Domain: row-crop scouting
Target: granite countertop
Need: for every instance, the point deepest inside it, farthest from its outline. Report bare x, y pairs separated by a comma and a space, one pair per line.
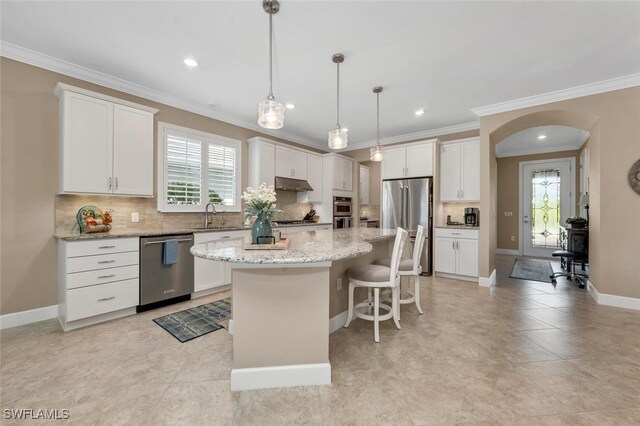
457, 227
152, 232
306, 247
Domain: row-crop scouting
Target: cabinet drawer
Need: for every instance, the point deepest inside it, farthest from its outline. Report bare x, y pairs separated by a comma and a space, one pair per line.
99, 299
89, 263
101, 276
101, 246
205, 237
457, 233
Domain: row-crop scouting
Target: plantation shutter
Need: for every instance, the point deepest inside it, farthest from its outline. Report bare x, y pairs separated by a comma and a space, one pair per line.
184, 170
222, 179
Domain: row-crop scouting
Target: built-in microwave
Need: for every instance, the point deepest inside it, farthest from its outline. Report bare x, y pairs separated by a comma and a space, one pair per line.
341, 222
342, 206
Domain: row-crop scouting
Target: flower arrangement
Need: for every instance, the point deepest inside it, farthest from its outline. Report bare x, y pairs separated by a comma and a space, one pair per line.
577, 222
260, 202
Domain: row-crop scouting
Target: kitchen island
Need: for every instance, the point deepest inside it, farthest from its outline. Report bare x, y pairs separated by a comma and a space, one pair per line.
281, 302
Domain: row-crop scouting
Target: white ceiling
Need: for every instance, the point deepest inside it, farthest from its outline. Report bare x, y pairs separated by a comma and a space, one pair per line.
444, 57
558, 138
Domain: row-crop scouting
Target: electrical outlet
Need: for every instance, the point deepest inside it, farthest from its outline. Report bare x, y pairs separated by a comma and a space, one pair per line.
135, 217
339, 284
513, 238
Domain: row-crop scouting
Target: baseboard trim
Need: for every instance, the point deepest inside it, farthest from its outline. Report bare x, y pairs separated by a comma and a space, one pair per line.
508, 251
456, 277
488, 282
98, 319
612, 299
337, 322
27, 317
210, 291
281, 376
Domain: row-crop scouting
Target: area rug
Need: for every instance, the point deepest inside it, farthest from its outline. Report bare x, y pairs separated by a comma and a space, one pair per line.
532, 270
195, 322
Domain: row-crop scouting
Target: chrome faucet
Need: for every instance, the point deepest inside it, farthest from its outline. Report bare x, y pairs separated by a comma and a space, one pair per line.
208, 221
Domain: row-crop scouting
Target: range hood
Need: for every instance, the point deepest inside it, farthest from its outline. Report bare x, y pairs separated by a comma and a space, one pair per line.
296, 185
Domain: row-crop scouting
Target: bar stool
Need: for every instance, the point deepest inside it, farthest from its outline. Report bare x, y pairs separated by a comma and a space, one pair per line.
409, 267
376, 277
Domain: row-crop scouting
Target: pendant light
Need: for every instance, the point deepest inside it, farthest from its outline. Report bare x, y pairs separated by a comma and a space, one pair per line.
375, 153
338, 138
270, 111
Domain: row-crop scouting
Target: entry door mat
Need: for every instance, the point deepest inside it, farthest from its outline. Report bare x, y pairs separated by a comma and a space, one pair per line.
532, 270
195, 322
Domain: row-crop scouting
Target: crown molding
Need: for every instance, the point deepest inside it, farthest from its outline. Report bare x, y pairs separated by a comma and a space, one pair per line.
31, 57
425, 134
560, 95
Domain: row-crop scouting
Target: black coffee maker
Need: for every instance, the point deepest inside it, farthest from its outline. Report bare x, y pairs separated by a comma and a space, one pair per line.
471, 216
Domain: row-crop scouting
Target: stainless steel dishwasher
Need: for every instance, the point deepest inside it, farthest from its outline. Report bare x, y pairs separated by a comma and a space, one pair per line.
162, 284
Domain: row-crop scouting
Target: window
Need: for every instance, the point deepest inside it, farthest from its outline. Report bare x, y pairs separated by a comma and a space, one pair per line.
196, 168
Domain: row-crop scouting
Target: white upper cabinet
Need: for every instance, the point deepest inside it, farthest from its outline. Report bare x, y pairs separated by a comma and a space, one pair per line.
408, 161
291, 163
342, 173
315, 178
132, 159
394, 163
364, 185
262, 162
460, 170
87, 148
106, 144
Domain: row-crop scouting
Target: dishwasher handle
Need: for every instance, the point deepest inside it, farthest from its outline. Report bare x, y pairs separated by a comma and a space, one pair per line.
182, 240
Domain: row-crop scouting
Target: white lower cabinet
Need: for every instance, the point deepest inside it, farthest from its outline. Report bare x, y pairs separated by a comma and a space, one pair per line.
210, 274
456, 252
98, 280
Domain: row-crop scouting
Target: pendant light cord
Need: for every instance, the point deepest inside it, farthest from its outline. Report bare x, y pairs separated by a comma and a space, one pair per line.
338, 96
270, 55
378, 116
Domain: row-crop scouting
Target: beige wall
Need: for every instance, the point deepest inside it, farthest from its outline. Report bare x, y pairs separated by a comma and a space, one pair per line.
508, 187
29, 178
613, 121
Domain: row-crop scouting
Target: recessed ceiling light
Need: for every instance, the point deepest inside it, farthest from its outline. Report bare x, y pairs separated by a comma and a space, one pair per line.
542, 137
190, 62
290, 106
419, 112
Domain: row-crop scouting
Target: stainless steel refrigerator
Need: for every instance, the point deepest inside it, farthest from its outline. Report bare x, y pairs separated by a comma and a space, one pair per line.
407, 203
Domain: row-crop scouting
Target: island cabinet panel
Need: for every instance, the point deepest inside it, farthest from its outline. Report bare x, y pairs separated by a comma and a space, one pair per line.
210, 274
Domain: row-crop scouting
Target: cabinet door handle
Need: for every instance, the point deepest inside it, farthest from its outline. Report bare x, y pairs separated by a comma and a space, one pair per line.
225, 237
453, 245
106, 261
106, 247
462, 193
104, 299
107, 276
116, 184
455, 233
109, 184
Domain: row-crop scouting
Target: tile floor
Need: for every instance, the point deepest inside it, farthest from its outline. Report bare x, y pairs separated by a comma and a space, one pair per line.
519, 353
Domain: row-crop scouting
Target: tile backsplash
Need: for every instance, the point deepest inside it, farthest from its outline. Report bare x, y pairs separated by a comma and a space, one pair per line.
68, 205
456, 210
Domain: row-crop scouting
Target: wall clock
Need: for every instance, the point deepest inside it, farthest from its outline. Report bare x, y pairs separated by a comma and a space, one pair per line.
634, 176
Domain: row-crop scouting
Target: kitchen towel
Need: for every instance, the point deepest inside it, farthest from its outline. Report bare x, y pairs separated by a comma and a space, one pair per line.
170, 252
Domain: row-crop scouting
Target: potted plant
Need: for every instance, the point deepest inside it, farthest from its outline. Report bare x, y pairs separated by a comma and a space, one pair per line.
576, 222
